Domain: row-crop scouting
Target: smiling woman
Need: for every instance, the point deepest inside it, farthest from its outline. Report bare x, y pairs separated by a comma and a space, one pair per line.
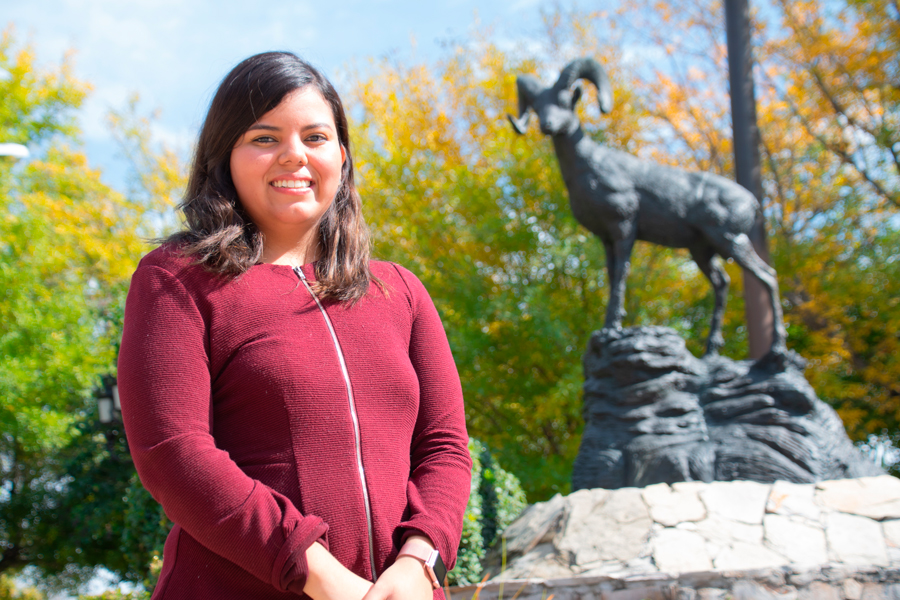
272, 112
286, 170
293, 406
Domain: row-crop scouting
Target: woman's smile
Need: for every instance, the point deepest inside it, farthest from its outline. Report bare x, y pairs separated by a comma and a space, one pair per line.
292, 184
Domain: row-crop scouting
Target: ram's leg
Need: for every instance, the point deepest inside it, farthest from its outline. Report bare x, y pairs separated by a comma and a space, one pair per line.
705, 257
617, 263
743, 253
610, 270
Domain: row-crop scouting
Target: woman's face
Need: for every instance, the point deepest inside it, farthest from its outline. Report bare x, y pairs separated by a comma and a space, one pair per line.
287, 167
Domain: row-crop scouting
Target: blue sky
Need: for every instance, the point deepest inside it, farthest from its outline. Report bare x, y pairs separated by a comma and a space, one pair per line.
174, 52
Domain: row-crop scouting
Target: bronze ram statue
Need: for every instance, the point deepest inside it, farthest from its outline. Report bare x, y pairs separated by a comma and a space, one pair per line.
621, 198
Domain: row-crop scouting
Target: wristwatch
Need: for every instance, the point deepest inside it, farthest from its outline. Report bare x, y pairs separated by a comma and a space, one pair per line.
434, 566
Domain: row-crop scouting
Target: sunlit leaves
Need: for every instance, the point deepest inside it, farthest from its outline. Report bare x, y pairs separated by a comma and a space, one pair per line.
36, 102
481, 215
68, 246
828, 111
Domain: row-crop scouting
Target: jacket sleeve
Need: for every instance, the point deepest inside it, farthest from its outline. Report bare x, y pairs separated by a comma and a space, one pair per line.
164, 387
440, 465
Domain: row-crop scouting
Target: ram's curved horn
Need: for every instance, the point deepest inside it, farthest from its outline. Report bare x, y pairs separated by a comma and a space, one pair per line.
590, 69
528, 88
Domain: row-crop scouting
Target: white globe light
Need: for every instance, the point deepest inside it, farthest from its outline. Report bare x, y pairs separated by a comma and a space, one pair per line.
14, 150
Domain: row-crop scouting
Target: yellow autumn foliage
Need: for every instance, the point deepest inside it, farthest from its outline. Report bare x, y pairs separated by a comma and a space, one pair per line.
68, 246
829, 115
481, 214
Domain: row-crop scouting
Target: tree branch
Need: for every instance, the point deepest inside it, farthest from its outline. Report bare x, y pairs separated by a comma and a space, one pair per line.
682, 136
848, 160
779, 189
835, 103
551, 439
895, 156
845, 157
11, 558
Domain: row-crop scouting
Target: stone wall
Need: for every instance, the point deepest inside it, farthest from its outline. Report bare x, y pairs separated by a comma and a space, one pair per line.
785, 583
834, 539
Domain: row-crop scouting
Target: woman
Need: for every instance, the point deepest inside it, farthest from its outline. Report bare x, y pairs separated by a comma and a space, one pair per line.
293, 406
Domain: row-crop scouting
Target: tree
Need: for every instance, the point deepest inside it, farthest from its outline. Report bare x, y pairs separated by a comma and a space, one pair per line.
843, 60
34, 111
482, 217
68, 245
828, 116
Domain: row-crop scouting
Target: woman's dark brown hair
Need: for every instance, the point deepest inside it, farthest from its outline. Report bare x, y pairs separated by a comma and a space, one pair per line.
219, 232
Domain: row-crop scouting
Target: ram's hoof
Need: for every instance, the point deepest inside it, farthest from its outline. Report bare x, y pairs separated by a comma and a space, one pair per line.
779, 359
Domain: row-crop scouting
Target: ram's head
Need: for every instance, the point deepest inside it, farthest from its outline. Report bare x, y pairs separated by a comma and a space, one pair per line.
555, 106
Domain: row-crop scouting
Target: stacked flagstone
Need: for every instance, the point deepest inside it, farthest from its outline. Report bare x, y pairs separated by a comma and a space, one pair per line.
834, 539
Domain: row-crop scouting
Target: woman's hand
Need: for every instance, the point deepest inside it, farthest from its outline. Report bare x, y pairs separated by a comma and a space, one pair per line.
328, 579
404, 580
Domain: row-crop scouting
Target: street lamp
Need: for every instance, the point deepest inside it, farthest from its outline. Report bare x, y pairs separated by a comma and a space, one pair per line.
759, 315
13, 150
108, 404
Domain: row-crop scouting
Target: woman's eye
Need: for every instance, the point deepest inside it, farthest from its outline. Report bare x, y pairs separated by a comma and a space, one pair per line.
317, 137
264, 139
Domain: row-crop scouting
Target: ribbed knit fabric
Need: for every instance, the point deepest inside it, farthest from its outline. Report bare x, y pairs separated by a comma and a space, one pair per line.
239, 422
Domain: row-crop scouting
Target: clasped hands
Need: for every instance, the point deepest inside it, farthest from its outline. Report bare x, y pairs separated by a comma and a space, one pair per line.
330, 580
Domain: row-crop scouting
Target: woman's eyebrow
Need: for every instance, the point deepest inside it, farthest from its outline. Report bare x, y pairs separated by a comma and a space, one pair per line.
265, 127
317, 126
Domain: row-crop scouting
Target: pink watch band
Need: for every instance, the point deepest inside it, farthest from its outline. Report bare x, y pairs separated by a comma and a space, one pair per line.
426, 554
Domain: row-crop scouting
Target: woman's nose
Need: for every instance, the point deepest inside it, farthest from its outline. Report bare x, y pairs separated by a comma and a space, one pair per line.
293, 152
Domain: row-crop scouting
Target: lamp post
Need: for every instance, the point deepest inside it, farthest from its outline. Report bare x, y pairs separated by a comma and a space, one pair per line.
758, 309
108, 403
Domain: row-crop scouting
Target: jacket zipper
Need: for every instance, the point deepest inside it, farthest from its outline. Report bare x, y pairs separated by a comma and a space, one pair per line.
353, 416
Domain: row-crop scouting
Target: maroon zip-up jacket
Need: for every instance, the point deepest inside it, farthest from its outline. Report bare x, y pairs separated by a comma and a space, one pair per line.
262, 426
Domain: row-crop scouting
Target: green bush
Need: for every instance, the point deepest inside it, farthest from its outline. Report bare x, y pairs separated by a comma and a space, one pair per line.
123, 528
495, 500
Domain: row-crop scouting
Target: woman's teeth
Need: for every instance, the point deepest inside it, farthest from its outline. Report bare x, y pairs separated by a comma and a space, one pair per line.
291, 183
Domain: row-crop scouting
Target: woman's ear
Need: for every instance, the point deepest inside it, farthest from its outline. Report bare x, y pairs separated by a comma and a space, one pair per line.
343, 154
